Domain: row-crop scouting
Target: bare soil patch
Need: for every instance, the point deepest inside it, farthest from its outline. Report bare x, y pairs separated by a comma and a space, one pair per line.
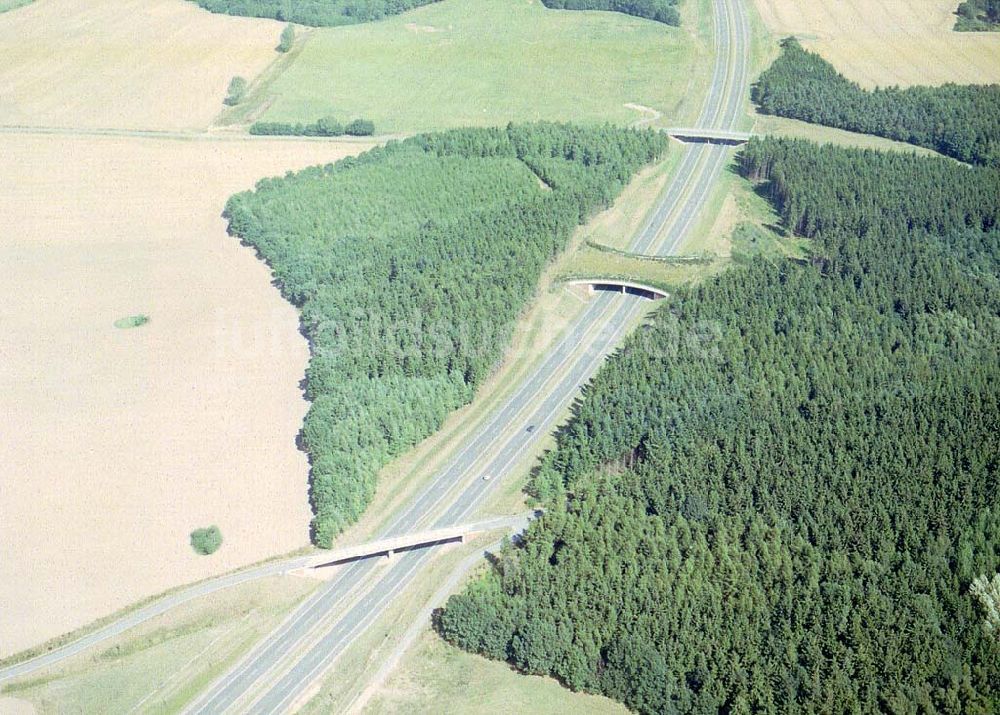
119, 442
889, 42
133, 64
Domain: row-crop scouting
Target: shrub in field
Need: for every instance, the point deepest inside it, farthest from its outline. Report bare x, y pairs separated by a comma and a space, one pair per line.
360, 128
236, 92
207, 540
287, 39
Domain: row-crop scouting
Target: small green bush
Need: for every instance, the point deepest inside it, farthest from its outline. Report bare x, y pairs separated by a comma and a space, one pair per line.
132, 321
360, 128
236, 92
206, 541
287, 39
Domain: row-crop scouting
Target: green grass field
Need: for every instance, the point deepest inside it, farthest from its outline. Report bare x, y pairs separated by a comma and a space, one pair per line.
436, 677
487, 62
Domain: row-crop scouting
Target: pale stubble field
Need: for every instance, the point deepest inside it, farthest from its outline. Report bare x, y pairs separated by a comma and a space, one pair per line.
888, 42
125, 64
117, 443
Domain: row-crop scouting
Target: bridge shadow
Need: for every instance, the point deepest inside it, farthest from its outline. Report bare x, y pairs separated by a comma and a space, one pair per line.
383, 554
717, 141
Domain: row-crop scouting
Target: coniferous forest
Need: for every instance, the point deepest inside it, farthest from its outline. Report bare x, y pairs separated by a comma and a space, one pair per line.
961, 121
777, 495
410, 264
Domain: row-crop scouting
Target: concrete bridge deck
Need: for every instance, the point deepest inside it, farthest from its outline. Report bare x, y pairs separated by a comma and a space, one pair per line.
415, 540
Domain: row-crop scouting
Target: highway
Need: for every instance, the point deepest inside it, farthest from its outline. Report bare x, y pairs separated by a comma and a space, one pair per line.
277, 567
279, 672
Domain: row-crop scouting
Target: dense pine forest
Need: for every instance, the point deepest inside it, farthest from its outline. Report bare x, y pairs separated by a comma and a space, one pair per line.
318, 13
978, 15
659, 10
961, 121
410, 264
776, 497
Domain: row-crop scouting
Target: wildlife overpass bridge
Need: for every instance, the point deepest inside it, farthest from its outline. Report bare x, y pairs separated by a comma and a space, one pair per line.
416, 540
709, 136
620, 286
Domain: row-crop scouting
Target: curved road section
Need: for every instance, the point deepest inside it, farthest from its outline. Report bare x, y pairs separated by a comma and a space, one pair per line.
279, 673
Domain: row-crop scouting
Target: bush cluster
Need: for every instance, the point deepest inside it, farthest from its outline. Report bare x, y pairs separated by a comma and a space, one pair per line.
978, 16
317, 13
664, 11
326, 127
206, 541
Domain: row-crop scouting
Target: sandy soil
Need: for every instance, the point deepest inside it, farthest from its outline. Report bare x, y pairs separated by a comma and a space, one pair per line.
136, 64
117, 443
888, 42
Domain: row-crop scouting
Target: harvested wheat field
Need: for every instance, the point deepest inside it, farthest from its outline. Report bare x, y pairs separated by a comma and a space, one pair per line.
887, 42
126, 64
119, 441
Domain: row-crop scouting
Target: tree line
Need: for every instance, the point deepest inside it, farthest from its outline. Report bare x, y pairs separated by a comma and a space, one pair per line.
781, 495
317, 13
327, 13
325, 127
664, 11
410, 264
961, 121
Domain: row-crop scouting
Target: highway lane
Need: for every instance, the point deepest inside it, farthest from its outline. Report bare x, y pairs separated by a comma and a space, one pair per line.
145, 613
317, 660
685, 196
168, 602
229, 689
278, 683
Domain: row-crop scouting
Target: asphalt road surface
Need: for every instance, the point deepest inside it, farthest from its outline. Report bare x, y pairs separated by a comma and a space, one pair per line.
278, 672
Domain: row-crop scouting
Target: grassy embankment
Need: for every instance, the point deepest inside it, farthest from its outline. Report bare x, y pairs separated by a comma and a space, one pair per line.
162, 664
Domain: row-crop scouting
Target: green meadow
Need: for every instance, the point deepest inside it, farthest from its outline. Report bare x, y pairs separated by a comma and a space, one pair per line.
487, 62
